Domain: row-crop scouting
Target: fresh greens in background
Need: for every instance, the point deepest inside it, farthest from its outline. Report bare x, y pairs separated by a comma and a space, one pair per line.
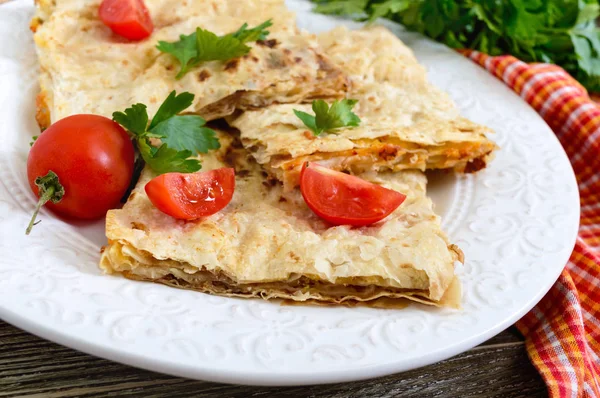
563, 32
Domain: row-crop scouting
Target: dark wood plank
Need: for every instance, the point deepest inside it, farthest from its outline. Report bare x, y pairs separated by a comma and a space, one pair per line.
30, 366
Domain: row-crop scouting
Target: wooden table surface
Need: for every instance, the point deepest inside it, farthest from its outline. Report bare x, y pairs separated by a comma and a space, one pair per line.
32, 367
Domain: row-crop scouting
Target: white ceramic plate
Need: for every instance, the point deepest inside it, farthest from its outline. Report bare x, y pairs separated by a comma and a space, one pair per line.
516, 222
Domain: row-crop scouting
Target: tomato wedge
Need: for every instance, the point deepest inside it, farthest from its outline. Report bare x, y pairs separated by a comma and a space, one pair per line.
191, 196
127, 18
342, 199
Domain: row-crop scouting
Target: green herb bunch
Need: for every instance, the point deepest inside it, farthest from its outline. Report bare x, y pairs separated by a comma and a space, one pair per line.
563, 32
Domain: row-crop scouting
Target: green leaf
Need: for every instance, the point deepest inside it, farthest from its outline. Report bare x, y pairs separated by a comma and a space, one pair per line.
134, 119
587, 47
257, 33
388, 7
185, 50
330, 118
186, 133
173, 105
338, 115
343, 7
563, 32
33, 139
167, 160
211, 47
203, 46
309, 121
588, 12
181, 136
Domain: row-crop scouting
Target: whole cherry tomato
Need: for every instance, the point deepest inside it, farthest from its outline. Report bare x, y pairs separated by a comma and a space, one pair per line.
92, 159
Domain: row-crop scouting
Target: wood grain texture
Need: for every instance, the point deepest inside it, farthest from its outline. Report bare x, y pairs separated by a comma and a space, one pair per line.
32, 367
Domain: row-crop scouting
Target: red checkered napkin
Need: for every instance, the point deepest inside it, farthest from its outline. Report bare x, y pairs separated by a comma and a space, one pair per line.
562, 331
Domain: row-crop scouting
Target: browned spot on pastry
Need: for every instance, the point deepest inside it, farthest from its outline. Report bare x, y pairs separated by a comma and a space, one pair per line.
153, 100
140, 226
42, 113
282, 199
309, 135
125, 62
270, 182
297, 60
276, 61
35, 24
203, 75
232, 65
459, 253
243, 173
287, 51
271, 43
475, 165
388, 152
264, 174
323, 64
169, 67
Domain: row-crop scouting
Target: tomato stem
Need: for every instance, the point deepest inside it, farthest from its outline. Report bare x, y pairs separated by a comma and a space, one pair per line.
50, 189
43, 200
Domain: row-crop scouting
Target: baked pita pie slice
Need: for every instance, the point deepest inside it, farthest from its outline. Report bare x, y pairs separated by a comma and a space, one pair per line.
267, 243
87, 68
406, 122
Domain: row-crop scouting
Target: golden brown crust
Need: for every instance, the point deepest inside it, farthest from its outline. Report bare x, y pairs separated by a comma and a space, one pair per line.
406, 122
266, 239
287, 68
42, 113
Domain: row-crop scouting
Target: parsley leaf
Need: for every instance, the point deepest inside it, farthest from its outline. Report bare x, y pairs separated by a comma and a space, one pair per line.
167, 160
134, 119
309, 121
328, 118
218, 48
187, 133
181, 135
203, 45
184, 50
553, 31
173, 105
257, 33
33, 140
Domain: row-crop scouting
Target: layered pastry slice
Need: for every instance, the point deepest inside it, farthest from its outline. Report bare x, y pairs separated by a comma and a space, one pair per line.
406, 122
267, 243
87, 68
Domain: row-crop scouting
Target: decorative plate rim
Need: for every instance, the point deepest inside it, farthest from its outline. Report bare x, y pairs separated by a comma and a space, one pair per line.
529, 242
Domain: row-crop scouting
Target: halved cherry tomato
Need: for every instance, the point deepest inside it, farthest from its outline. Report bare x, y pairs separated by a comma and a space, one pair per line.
93, 158
342, 199
127, 18
194, 195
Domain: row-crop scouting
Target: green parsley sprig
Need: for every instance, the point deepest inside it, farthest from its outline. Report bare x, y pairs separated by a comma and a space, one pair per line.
553, 31
203, 45
327, 119
181, 136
